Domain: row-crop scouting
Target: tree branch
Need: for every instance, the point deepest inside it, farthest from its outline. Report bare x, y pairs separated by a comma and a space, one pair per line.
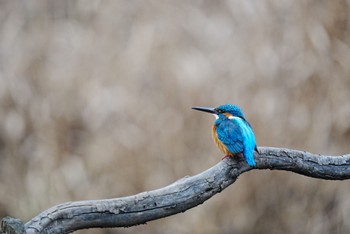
181, 195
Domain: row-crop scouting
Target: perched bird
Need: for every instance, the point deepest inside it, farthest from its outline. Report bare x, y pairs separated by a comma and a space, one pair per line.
231, 132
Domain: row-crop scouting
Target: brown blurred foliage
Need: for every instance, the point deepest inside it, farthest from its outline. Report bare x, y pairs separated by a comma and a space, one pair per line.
95, 101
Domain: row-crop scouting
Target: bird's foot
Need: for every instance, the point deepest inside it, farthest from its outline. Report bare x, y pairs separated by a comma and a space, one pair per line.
226, 156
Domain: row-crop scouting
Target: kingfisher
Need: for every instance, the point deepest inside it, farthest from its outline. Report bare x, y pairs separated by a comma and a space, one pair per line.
231, 132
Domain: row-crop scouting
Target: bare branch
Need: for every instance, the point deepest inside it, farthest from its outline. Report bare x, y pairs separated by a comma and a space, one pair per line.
183, 194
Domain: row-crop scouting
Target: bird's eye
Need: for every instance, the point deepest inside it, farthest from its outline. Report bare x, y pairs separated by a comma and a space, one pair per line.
219, 111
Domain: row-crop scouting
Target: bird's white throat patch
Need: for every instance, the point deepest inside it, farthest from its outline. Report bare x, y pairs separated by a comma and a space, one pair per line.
229, 117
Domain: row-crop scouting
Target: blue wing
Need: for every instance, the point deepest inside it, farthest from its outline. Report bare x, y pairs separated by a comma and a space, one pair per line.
238, 137
231, 135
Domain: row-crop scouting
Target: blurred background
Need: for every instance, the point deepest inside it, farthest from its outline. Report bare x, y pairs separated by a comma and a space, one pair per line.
95, 102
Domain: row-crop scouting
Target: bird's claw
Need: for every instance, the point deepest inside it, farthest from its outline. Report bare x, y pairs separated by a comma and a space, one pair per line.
226, 156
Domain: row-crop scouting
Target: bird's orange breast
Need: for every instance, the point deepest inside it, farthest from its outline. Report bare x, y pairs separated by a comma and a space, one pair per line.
218, 143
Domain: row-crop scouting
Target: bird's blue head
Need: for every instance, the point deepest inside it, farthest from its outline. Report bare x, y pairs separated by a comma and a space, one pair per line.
230, 109
223, 111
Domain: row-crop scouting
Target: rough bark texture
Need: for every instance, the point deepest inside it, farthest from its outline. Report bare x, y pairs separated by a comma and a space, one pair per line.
177, 197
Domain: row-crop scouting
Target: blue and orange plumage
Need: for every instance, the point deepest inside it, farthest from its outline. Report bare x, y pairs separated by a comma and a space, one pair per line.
231, 132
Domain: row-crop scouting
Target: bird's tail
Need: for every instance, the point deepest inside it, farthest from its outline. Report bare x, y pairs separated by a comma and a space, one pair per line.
249, 158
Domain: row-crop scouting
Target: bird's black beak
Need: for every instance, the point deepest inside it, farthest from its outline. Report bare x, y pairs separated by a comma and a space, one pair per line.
205, 109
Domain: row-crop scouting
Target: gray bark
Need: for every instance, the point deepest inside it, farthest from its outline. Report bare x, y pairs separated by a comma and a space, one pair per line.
177, 197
